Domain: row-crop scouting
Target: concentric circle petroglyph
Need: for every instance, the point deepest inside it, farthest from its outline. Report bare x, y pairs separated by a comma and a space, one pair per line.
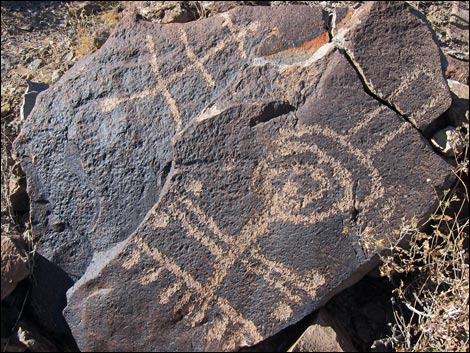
293, 202
288, 201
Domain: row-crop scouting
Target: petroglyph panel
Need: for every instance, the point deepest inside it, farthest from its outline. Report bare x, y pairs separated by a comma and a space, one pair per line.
225, 188
240, 252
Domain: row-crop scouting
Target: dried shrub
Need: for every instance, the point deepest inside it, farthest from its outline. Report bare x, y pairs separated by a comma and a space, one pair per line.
92, 22
431, 273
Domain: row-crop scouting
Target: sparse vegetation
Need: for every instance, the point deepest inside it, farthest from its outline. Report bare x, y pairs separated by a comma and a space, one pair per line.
91, 23
431, 273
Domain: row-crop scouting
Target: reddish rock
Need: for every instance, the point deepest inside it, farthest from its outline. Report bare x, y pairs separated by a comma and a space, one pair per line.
325, 334
457, 70
14, 265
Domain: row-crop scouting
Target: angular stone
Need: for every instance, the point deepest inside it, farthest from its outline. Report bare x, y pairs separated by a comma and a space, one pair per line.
104, 170
458, 112
458, 29
457, 70
29, 97
243, 178
325, 334
399, 60
14, 265
165, 11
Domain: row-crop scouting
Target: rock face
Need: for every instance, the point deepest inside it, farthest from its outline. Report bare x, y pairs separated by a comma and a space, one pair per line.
403, 89
211, 183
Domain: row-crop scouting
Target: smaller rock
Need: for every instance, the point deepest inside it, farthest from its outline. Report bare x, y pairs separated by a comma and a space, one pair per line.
459, 89
166, 11
30, 335
6, 108
35, 64
19, 198
457, 70
68, 56
55, 75
5, 64
449, 142
181, 13
14, 265
458, 28
85, 8
458, 112
324, 335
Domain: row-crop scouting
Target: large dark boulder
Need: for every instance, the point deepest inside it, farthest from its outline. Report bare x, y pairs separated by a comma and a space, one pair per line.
211, 183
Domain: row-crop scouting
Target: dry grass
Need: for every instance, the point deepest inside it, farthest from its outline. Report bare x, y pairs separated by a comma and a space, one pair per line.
92, 23
432, 271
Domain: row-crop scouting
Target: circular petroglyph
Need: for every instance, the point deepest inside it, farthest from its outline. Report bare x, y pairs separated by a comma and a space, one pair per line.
303, 190
305, 183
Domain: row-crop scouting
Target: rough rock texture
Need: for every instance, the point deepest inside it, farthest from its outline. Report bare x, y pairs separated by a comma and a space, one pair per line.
14, 265
241, 179
325, 334
458, 29
402, 88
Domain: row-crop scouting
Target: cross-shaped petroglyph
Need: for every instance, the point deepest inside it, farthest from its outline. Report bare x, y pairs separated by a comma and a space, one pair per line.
226, 250
366, 121
194, 288
379, 146
409, 78
196, 62
162, 85
237, 34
